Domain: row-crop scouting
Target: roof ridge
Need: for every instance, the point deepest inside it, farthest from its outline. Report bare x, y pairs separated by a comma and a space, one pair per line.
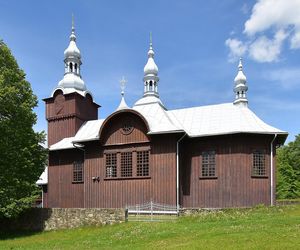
210, 105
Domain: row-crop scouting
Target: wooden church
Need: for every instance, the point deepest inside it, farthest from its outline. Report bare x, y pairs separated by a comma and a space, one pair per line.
212, 156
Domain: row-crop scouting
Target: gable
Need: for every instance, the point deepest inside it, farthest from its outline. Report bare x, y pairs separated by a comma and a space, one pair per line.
124, 127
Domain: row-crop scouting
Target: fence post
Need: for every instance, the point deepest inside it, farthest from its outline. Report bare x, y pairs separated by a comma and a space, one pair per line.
126, 215
151, 207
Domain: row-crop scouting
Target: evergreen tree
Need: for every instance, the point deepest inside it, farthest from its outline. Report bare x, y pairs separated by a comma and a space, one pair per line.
22, 158
288, 170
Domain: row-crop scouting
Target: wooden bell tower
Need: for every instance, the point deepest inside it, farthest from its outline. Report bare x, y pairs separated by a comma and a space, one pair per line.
66, 113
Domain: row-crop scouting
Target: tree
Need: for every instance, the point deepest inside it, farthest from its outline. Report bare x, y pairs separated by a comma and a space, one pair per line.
288, 170
22, 158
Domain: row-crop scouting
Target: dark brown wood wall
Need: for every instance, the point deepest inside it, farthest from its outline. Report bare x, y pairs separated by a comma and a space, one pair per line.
159, 186
62, 192
62, 128
66, 114
164, 169
110, 193
112, 133
45, 195
234, 186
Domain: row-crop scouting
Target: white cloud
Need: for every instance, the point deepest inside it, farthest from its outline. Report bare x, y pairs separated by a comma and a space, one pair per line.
280, 17
295, 40
267, 50
237, 48
273, 13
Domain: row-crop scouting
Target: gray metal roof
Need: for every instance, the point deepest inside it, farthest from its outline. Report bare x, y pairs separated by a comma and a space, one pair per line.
200, 121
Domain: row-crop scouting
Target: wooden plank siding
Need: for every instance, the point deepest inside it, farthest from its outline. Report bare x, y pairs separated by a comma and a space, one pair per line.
66, 114
45, 195
159, 186
234, 185
62, 192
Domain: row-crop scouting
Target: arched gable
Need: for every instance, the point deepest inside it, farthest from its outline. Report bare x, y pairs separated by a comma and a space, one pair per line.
124, 127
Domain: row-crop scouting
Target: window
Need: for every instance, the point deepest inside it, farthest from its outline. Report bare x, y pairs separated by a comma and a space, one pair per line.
126, 164
142, 163
111, 165
259, 167
208, 164
78, 171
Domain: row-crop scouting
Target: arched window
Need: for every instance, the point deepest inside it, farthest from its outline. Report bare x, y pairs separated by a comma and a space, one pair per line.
71, 67
75, 68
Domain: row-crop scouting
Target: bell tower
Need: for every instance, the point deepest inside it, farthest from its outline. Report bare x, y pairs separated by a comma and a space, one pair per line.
71, 103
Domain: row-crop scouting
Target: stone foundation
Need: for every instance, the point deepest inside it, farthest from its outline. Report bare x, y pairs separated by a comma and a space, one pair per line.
39, 219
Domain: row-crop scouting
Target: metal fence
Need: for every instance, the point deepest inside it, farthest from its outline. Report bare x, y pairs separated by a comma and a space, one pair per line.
151, 212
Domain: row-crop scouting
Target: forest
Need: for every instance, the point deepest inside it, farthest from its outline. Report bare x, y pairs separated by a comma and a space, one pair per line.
288, 170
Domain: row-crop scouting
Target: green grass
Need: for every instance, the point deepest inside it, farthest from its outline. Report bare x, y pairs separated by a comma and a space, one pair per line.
292, 200
256, 228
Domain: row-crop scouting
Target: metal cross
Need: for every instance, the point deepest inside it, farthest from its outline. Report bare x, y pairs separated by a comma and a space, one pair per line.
123, 81
73, 26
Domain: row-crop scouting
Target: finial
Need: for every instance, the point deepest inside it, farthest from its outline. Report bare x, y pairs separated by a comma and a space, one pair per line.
240, 67
123, 81
151, 52
123, 104
73, 26
73, 36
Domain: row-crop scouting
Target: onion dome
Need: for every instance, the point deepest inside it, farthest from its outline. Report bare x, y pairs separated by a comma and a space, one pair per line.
150, 68
240, 77
240, 88
72, 50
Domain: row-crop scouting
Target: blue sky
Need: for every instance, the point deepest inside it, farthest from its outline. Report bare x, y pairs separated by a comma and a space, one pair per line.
197, 45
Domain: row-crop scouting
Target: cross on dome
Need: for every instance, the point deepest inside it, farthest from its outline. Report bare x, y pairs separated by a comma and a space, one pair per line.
123, 104
123, 82
73, 36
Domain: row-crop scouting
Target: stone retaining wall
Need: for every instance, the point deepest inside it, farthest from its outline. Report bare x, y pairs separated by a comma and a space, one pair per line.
195, 211
38, 219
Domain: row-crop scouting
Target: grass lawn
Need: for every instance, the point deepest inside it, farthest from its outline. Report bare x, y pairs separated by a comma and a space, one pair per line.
256, 228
